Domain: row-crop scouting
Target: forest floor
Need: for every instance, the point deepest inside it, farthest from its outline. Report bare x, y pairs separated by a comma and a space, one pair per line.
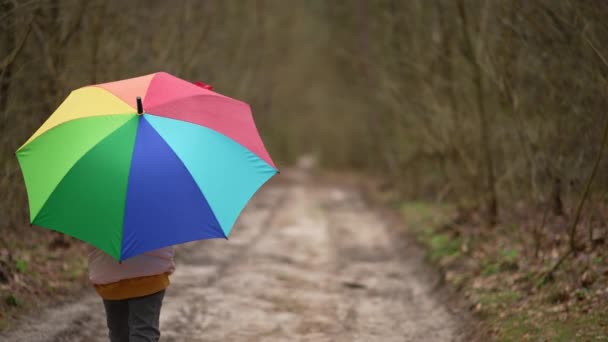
307, 261
500, 272
329, 258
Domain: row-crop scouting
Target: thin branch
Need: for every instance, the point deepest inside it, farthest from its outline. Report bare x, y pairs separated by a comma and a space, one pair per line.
10, 59
76, 26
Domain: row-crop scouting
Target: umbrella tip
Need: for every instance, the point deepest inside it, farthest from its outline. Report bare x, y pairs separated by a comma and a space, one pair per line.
203, 85
140, 107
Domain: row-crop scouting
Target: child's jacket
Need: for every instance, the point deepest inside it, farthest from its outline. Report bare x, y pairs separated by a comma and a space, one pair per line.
138, 276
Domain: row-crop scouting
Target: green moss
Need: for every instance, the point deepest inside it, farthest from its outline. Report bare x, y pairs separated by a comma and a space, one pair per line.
506, 260
21, 266
425, 216
498, 298
424, 220
442, 245
581, 293
597, 260
509, 255
548, 327
11, 300
489, 268
516, 328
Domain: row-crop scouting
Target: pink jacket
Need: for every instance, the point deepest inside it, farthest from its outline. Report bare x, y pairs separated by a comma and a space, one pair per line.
103, 269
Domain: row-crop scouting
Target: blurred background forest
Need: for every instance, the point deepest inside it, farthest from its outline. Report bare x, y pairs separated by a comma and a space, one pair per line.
495, 108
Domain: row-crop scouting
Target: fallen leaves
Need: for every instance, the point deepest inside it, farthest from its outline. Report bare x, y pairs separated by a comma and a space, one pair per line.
31, 274
497, 271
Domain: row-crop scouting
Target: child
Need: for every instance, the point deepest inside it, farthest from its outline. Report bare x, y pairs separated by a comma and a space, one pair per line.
132, 291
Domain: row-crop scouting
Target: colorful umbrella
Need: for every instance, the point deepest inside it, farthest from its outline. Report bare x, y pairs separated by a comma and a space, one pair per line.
129, 175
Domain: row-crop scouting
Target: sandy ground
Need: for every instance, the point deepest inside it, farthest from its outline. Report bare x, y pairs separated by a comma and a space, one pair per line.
304, 263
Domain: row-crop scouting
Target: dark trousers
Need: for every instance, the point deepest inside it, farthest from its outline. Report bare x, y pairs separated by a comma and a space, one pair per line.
134, 319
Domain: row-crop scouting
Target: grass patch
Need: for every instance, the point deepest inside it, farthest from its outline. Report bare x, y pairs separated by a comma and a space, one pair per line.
424, 220
504, 261
442, 246
422, 216
36, 275
499, 299
11, 301
550, 327
496, 270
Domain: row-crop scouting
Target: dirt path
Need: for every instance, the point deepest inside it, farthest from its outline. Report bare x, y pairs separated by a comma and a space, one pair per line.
305, 263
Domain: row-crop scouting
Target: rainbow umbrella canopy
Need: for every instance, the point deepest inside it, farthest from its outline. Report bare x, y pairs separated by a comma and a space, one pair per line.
143, 163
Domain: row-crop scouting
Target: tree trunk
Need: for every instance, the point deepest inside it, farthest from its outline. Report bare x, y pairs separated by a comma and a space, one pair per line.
8, 45
556, 197
490, 194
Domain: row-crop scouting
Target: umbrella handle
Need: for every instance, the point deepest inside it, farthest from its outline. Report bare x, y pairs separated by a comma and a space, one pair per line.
140, 106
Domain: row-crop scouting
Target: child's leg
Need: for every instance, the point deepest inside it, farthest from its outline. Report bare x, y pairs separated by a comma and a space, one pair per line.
144, 313
117, 316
